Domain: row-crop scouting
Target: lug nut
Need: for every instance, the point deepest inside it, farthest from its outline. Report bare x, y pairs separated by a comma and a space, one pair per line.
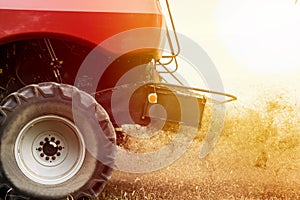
42, 155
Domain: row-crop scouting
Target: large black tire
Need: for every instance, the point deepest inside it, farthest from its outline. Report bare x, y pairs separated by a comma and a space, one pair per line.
57, 142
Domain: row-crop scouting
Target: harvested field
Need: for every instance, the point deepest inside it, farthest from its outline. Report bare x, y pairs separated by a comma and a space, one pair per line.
256, 157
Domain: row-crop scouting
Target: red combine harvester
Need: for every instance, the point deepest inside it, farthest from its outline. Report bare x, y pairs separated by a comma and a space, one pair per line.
71, 74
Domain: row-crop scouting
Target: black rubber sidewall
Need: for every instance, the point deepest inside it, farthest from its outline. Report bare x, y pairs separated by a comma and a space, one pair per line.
40, 106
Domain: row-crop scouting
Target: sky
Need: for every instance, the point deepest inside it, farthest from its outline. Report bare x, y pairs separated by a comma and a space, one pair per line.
254, 44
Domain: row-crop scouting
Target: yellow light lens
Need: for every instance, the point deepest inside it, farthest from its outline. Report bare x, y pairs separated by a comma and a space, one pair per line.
152, 98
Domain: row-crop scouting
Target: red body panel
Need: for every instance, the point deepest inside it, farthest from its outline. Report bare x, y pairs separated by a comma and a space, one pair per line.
90, 26
92, 21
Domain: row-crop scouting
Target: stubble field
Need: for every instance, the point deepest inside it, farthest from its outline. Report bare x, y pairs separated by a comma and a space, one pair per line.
256, 157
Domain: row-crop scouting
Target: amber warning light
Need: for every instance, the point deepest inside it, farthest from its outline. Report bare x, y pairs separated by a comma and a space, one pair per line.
152, 98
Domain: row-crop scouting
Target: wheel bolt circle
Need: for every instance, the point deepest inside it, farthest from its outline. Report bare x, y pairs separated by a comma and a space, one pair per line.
49, 148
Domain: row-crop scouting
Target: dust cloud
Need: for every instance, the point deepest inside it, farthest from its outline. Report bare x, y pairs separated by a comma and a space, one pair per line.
256, 157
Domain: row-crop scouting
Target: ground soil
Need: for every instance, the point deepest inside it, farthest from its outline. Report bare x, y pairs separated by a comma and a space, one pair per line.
254, 158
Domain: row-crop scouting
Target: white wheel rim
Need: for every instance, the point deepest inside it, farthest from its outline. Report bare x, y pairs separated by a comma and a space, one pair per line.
49, 150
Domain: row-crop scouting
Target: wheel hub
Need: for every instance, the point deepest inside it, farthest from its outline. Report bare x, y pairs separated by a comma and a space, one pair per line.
50, 150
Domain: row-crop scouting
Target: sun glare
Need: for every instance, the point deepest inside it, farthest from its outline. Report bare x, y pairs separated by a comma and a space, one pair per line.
262, 36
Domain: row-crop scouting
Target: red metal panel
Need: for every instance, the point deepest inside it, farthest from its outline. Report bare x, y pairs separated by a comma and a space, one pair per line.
91, 26
93, 20
120, 6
